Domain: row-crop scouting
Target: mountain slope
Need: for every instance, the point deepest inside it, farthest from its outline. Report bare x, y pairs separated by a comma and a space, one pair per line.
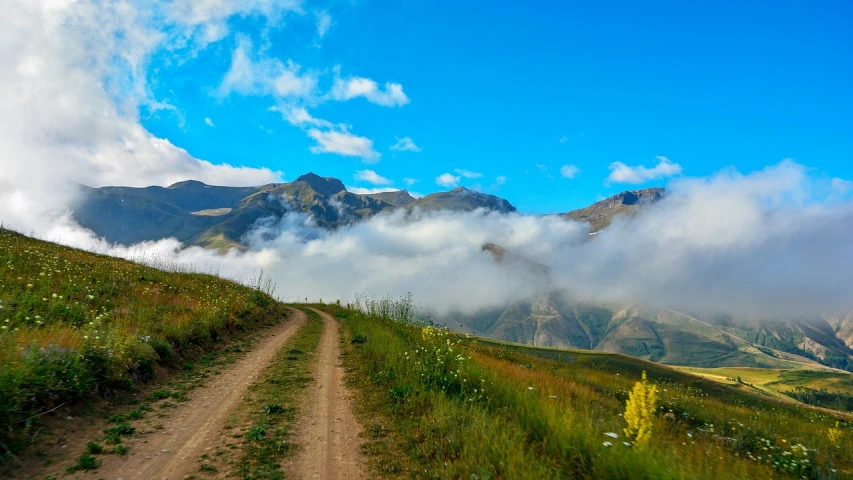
220, 217
600, 214
556, 318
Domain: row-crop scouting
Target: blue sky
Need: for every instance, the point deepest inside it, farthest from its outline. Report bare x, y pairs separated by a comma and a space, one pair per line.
515, 93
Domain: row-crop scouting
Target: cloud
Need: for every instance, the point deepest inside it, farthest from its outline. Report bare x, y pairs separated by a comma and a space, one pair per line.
467, 173
73, 79
324, 21
330, 138
209, 122
543, 168
841, 186
447, 180
342, 142
353, 87
410, 181
621, 173
370, 176
264, 76
405, 144
364, 191
500, 180
569, 171
299, 116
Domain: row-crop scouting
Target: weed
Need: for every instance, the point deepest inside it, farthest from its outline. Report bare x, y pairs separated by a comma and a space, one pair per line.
120, 450
207, 468
85, 463
256, 432
113, 434
359, 338
273, 408
94, 448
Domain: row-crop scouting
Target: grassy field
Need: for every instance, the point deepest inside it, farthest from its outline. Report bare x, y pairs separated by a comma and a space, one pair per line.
75, 324
818, 387
437, 405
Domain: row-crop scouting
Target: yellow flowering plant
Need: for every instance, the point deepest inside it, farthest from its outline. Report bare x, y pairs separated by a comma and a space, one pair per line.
640, 410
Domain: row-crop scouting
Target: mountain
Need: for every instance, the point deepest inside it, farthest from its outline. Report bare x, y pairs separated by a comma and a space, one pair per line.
600, 214
219, 217
462, 199
557, 318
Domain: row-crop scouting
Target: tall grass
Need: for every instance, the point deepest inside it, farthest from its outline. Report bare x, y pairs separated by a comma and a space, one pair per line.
464, 409
73, 324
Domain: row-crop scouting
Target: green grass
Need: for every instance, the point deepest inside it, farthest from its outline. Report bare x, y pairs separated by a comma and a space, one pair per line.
503, 411
75, 324
263, 423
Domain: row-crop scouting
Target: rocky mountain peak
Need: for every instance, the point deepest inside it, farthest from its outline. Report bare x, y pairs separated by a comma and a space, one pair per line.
645, 196
326, 186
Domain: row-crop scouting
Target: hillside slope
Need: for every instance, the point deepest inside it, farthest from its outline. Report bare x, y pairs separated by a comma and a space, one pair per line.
74, 325
220, 217
600, 214
438, 405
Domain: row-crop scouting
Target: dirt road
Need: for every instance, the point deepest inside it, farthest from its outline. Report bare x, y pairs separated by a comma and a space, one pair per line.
328, 432
172, 453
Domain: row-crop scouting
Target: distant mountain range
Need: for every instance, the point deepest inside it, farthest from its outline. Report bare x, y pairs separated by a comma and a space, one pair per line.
219, 217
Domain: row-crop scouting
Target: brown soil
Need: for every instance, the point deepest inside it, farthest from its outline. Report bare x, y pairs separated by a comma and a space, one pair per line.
328, 433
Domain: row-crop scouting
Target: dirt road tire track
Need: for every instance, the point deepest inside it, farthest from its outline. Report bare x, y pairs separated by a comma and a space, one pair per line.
328, 432
173, 452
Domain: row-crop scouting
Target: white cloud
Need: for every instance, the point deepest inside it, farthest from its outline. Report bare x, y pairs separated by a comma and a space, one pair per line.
841, 186
331, 138
370, 176
324, 21
73, 78
621, 173
542, 168
353, 87
342, 142
405, 144
500, 180
447, 180
569, 171
209, 122
467, 173
265, 76
410, 181
300, 117
364, 191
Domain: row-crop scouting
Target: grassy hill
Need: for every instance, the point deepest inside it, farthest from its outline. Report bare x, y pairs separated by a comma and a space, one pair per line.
75, 326
440, 405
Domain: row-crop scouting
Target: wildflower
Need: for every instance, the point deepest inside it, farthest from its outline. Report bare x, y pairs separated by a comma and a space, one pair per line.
639, 411
612, 434
835, 434
607, 444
